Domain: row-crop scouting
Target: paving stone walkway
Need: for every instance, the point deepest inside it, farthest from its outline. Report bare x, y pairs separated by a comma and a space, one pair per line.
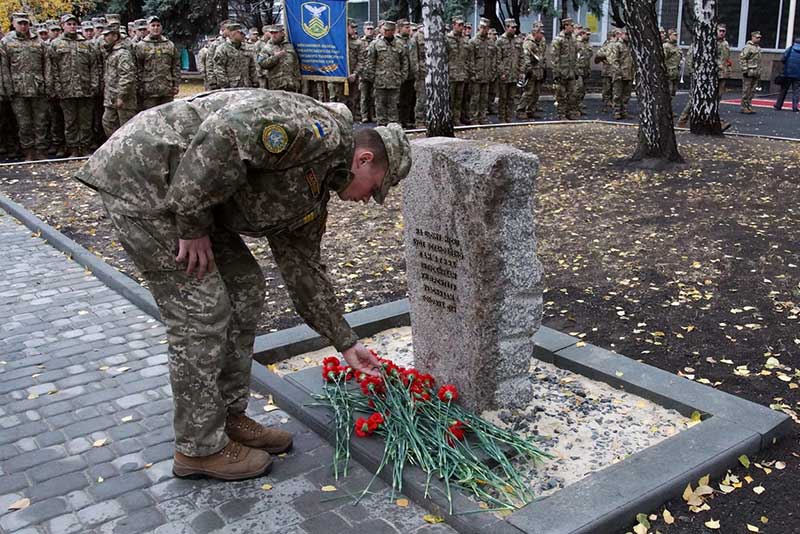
79, 364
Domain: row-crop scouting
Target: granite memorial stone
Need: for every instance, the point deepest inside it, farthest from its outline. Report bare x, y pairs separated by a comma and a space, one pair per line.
474, 280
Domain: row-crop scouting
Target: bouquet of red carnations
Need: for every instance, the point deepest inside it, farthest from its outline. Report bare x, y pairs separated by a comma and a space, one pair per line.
423, 425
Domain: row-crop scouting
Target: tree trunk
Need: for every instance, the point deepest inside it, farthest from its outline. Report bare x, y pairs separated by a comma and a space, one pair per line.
437, 81
656, 132
704, 116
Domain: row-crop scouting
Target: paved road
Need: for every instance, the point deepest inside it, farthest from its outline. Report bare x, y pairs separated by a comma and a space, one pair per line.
79, 363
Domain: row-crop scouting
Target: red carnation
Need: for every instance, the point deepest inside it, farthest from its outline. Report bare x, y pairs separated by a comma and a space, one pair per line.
331, 361
372, 384
363, 428
427, 380
447, 393
375, 420
456, 430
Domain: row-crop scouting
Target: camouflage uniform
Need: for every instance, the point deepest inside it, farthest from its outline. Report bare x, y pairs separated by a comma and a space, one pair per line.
337, 89
365, 85
194, 168
620, 61
119, 95
672, 61
7, 127
258, 49
72, 78
458, 50
416, 60
407, 92
565, 63
283, 72
481, 74
209, 81
203, 64
158, 70
583, 70
750, 60
234, 67
533, 64
605, 73
724, 65
509, 63
24, 65
387, 67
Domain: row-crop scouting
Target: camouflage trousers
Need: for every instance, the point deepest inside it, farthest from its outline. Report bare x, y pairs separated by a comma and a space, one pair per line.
566, 97
608, 91
466, 102
457, 100
673, 86
479, 103
748, 90
407, 95
529, 98
622, 94
8, 129
367, 101
31, 115
210, 326
420, 108
580, 92
492, 97
56, 123
147, 102
351, 100
387, 103
78, 113
114, 118
97, 123
507, 94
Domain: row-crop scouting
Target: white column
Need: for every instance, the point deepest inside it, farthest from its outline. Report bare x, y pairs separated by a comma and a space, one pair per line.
778, 32
744, 31
790, 22
604, 22
475, 17
680, 20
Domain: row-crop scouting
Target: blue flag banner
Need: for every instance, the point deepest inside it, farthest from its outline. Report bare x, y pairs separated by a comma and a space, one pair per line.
318, 31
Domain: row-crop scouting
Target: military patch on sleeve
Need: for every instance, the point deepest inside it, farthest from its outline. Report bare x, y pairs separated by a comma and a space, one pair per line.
318, 130
313, 183
275, 138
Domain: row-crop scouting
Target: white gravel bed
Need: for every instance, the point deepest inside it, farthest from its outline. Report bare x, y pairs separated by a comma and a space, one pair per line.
586, 425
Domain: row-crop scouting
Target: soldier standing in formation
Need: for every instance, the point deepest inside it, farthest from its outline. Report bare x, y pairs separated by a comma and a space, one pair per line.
534, 52
387, 67
672, 60
620, 61
365, 84
119, 95
158, 67
584, 68
750, 61
601, 57
416, 61
279, 59
407, 93
565, 62
509, 63
493, 85
481, 72
234, 65
457, 57
349, 95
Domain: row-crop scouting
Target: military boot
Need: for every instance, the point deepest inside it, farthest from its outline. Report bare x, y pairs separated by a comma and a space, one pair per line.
233, 462
253, 434
61, 152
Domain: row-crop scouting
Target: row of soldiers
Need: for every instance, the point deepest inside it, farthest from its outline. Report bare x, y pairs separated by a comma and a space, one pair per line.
74, 85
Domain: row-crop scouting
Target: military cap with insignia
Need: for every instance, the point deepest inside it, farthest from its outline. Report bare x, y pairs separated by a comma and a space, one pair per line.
67, 17
87, 25
41, 28
21, 17
398, 152
140, 24
235, 27
389, 25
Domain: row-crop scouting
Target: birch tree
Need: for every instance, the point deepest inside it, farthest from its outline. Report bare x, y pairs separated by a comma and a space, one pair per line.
656, 132
437, 81
704, 114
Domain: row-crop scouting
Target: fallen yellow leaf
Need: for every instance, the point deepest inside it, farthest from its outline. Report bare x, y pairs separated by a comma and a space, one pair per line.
20, 504
402, 502
758, 490
745, 461
752, 528
712, 524
127, 418
433, 519
667, 515
266, 487
328, 488
640, 529
99, 442
780, 466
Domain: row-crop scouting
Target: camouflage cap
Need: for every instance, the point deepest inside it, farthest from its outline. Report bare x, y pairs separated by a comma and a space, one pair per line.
351, 22
234, 27
458, 19
87, 25
398, 152
672, 31
275, 28
99, 24
755, 34
140, 24
403, 22
566, 21
484, 22
21, 17
369, 24
509, 23
111, 29
389, 25
113, 18
54, 26
153, 19
41, 28
67, 17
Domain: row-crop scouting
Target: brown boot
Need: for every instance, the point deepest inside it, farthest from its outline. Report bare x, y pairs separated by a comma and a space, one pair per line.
253, 434
234, 462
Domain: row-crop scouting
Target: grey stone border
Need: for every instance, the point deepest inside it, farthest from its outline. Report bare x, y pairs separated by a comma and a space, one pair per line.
603, 502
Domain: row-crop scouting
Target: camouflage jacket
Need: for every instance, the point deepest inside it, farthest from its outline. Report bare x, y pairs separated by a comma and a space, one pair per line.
482, 59
533, 58
387, 63
199, 160
120, 78
723, 58
458, 51
3, 82
620, 61
355, 49
24, 65
234, 66
750, 60
406, 40
211, 82
283, 72
565, 57
72, 67
602, 57
416, 55
672, 60
158, 66
509, 58
584, 60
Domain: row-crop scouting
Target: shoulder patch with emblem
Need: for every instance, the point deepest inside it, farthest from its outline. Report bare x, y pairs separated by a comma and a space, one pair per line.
275, 138
313, 183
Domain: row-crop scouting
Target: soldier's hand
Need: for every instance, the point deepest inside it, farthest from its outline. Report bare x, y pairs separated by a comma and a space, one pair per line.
362, 360
197, 254
119, 103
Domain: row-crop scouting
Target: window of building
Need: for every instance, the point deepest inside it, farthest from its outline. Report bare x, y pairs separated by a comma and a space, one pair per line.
763, 16
785, 24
